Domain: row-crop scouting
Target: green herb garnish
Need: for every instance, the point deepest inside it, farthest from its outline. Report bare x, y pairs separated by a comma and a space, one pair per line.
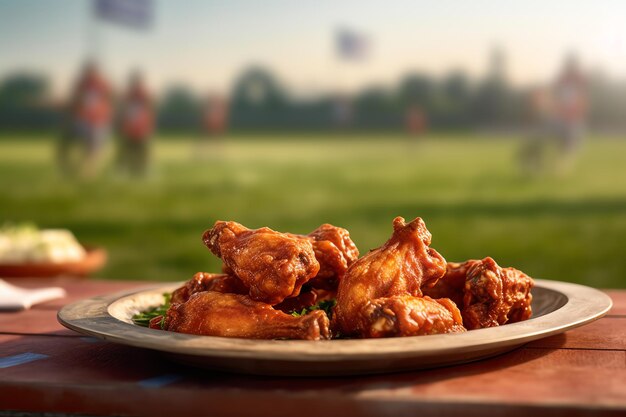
143, 318
326, 305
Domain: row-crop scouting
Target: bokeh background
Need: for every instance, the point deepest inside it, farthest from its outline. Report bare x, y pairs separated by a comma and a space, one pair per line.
502, 125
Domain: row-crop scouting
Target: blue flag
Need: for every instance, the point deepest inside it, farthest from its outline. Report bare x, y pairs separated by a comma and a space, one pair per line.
136, 14
352, 45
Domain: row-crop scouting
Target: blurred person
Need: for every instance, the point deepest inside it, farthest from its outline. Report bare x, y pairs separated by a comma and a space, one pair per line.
88, 125
416, 121
136, 127
215, 115
343, 112
557, 120
214, 120
540, 120
570, 106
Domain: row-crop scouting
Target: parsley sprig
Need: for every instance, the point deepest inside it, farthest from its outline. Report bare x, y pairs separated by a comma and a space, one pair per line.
326, 305
143, 318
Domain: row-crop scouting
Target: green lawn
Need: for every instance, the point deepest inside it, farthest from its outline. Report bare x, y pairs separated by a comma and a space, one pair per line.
468, 189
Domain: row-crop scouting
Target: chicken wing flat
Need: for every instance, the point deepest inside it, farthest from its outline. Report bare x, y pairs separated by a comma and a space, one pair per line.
212, 313
205, 281
406, 315
273, 265
487, 295
380, 293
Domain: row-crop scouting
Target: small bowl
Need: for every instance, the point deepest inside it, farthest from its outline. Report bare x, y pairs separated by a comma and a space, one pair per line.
94, 260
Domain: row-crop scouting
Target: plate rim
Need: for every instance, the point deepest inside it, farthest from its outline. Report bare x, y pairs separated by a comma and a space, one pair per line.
91, 316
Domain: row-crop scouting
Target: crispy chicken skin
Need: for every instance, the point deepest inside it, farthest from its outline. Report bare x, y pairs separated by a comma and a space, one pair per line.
380, 295
516, 294
406, 315
205, 281
487, 295
212, 313
228, 283
273, 265
452, 284
335, 252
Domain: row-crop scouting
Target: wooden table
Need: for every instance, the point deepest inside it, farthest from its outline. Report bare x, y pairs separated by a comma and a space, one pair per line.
46, 368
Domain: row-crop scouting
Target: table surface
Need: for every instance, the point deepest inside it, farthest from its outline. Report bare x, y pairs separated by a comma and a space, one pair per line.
47, 368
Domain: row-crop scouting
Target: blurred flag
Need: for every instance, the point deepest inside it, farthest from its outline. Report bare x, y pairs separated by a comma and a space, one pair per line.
136, 14
352, 45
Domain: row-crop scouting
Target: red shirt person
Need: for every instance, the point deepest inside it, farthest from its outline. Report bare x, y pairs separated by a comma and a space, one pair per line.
415, 119
215, 115
136, 126
570, 104
89, 121
91, 102
137, 119
570, 91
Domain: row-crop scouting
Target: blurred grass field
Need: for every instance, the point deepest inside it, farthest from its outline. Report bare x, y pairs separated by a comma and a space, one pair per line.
566, 226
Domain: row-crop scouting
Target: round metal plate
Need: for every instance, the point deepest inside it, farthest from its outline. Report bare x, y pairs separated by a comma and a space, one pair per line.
557, 307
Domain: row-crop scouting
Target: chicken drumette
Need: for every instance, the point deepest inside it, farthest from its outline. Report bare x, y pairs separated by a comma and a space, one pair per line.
335, 252
487, 295
381, 293
273, 265
212, 313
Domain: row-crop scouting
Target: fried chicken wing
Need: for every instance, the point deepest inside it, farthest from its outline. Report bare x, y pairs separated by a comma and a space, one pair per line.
487, 295
406, 315
273, 265
517, 295
212, 313
452, 284
205, 281
228, 283
380, 295
335, 252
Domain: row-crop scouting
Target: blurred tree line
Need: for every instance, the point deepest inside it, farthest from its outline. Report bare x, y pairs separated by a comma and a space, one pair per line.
259, 101
24, 103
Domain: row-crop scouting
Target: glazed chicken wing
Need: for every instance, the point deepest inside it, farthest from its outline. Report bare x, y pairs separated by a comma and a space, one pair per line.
406, 315
227, 282
452, 284
205, 281
335, 252
272, 265
487, 294
516, 294
212, 313
380, 295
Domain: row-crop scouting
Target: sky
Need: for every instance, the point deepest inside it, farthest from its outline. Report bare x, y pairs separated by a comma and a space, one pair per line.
207, 44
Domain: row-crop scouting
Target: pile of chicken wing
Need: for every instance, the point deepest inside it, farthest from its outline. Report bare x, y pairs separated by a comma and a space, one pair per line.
272, 284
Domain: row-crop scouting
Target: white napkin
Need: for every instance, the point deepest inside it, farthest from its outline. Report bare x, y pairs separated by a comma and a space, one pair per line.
16, 298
